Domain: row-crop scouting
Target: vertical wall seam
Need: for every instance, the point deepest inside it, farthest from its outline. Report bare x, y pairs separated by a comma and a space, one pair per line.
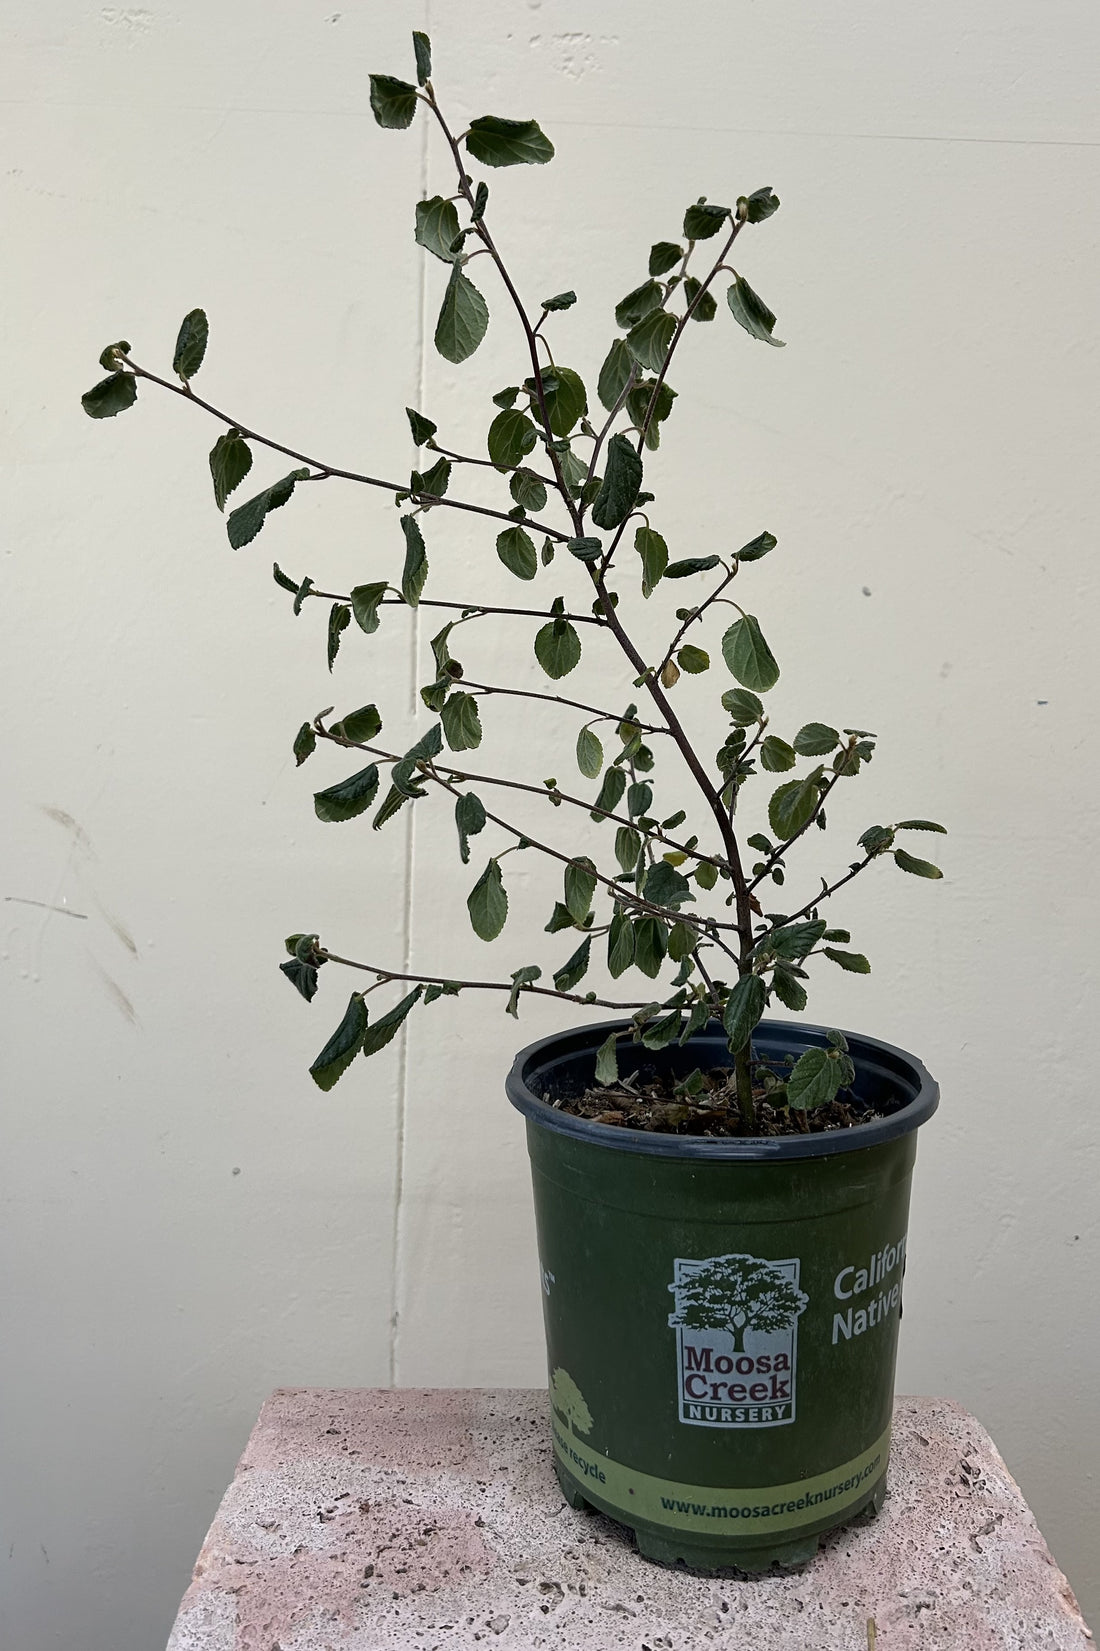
410, 839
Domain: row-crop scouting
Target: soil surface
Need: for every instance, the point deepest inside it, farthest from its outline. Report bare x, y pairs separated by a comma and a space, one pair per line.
655, 1106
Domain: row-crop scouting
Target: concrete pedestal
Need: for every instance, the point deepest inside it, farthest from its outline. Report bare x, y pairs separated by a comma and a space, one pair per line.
390, 1520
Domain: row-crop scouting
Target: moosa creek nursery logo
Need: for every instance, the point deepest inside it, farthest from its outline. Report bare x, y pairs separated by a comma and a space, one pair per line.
736, 1324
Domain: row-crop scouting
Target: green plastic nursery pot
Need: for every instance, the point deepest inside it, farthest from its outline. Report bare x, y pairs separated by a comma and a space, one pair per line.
722, 1314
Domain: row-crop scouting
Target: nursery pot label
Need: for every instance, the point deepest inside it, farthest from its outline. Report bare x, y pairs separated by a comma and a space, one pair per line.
736, 1323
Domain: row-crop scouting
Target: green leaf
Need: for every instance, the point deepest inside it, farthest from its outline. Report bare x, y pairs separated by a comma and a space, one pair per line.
580, 886
815, 739
576, 968
559, 919
792, 807
664, 886
639, 798
437, 226
743, 1010
638, 404
920, 825
110, 396
566, 401
305, 743
742, 707
759, 205
506, 398
757, 547
470, 819
422, 428
660, 1033
837, 934
648, 342
511, 437
793, 941
461, 722
654, 553
621, 483
432, 482
877, 839
776, 755
704, 219
650, 945
191, 344
521, 978
393, 102
230, 462
303, 590
607, 1064
338, 621
610, 793
302, 975
349, 798
854, 962
246, 521
497, 142
589, 749
628, 846
112, 357
689, 565
615, 373
814, 1081
664, 256
527, 490
681, 942
919, 868
620, 943
382, 1030
463, 319
283, 580
359, 726
693, 660
751, 312
585, 550
415, 572
705, 875
343, 1046
487, 903
748, 656
560, 301
789, 989
558, 648
365, 600
702, 304
641, 302
422, 47
516, 550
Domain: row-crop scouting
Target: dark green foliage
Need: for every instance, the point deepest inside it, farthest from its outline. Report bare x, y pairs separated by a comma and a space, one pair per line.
110, 396
496, 142
246, 521
191, 344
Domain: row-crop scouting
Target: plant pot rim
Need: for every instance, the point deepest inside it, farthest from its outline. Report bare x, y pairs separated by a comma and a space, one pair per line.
883, 1063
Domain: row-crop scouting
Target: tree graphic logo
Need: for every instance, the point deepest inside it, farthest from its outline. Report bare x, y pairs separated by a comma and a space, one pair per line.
736, 1321
568, 1400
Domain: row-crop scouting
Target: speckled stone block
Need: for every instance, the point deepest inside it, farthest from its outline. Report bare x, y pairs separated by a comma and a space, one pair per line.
381, 1520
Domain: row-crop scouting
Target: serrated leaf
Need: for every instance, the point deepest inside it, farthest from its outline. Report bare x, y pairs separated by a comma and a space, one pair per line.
246, 521
302, 975
689, 565
704, 219
759, 205
664, 886
705, 875
792, 807
758, 547
461, 722
349, 797
381, 1031
559, 919
638, 403
663, 256
641, 302
920, 825
560, 301
305, 743
589, 753
338, 621
743, 1010
650, 945
607, 1062
437, 226
742, 707
393, 102
230, 462
751, 312
516, 550
497, 142
854, 962
776, 755
621, 483
365, 600
422, 428
110, 396
511, 437
620, 943
343, 1046
660, 1033
283, 580
876, 839
615, 373
816, 739
701, 305
814, 1080
788, 989
527, 490
793, 941
304, 589
525, 976
919, 868
359, 726
748, 656
585, 550
681, 942
576, 967
415, 571
463, 319
610, 792
580, 886
628, 846
648, 342
653, 551
422, 48
470, 818
566, 401
433, 482
692, 659
487, 903
191, 344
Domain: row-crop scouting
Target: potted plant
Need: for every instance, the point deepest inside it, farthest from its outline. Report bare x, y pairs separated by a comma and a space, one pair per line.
721, 1197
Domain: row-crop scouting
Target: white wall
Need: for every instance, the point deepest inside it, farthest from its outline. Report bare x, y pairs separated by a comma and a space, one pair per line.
188, 1222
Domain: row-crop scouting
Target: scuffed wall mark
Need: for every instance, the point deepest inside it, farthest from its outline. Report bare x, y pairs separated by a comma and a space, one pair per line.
76, 831
135, 18
66, 911
575, 55
118, 928
115, 992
